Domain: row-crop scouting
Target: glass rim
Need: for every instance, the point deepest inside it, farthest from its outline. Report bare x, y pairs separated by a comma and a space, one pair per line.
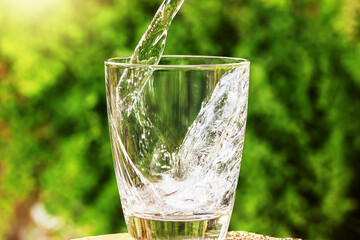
238, 62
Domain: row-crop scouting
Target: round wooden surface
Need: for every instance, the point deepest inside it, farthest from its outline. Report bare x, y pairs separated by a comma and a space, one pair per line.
230, 236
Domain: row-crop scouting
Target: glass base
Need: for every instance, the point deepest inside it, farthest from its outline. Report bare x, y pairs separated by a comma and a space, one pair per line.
178, 227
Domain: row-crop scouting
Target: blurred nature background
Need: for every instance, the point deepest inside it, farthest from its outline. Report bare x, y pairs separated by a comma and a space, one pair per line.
299, 175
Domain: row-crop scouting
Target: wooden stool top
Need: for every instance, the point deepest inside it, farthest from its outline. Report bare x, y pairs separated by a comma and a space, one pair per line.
230, 236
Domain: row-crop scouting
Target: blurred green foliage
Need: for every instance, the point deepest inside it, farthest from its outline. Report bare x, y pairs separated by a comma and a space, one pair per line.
300, 164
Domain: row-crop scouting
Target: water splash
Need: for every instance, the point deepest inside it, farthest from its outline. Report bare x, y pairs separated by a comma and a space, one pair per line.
147, 52
203, 173
200, 177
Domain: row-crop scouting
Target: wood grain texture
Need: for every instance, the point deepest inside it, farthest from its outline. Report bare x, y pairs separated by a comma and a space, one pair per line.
230, 236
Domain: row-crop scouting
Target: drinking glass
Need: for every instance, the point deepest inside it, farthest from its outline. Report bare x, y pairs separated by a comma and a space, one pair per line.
177, 135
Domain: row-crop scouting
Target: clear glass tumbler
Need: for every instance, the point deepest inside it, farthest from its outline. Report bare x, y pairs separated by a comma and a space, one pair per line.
177, 135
